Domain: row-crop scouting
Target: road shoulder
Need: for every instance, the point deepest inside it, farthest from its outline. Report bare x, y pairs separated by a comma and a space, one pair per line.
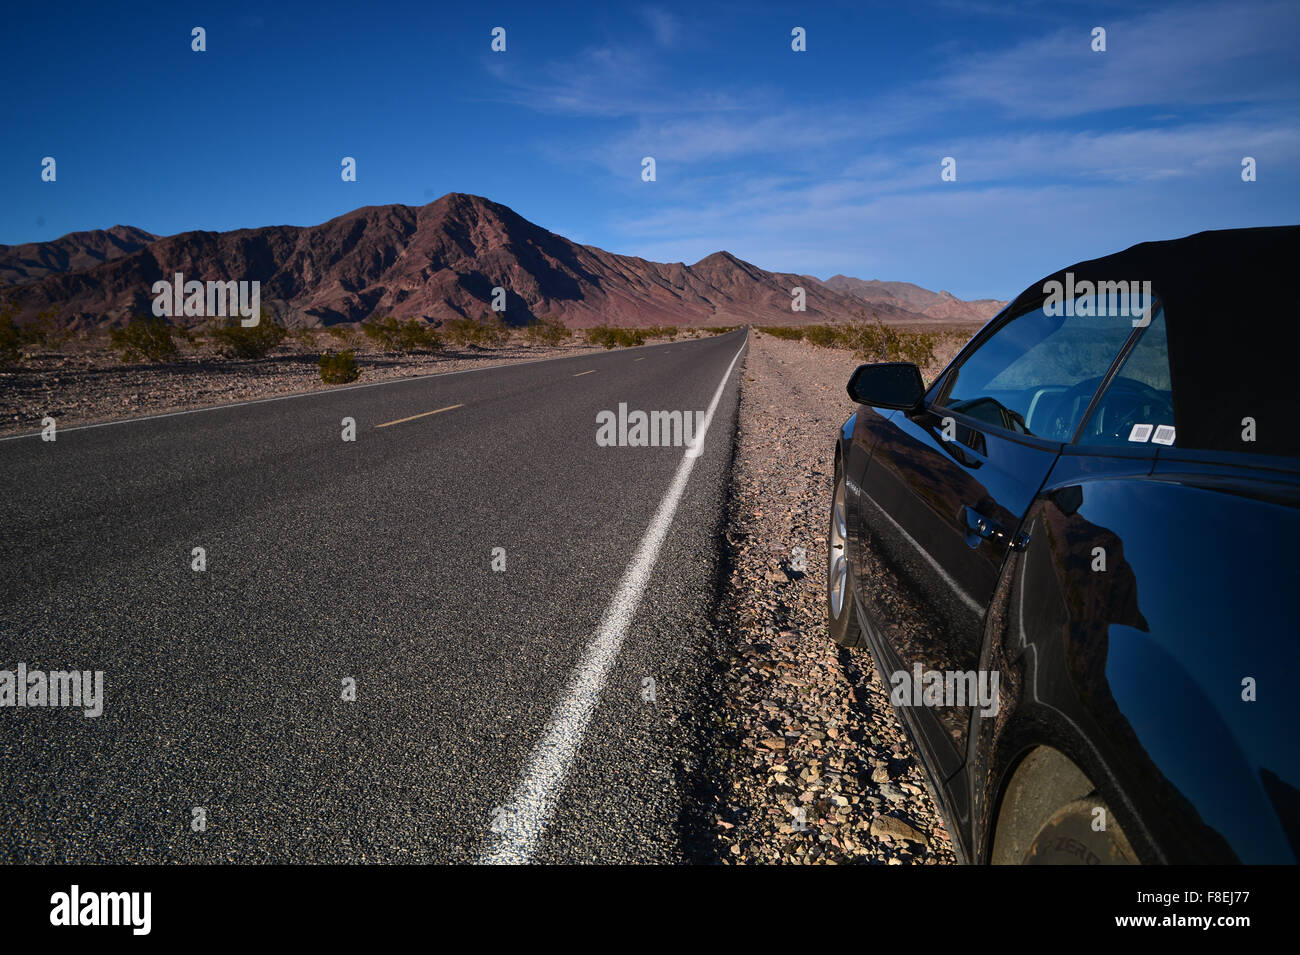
816, 765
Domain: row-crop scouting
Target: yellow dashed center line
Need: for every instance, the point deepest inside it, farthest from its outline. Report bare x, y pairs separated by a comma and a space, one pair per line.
422, 415
581, 373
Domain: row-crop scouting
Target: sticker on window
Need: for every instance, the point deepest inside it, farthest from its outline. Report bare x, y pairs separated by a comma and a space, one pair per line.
1141, 433
1164, 434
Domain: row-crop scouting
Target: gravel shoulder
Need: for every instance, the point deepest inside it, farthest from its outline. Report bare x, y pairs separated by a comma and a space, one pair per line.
816, 766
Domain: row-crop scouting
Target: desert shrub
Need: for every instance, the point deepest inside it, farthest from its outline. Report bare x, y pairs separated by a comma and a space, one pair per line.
190, 337
918, 347
306, 337
488, 330
661, 331
608, 337
339, 369
546, 331
721, 329
418, 336
10, 335
413, 335
344, 334
824, 336
874, 342
459, 331
495, 330
233, 340
383, 333
790, 333
10, 341
44, 331
144, 338
492, 330
877, 341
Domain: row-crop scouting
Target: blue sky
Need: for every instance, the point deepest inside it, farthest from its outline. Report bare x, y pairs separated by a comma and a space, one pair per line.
817, 162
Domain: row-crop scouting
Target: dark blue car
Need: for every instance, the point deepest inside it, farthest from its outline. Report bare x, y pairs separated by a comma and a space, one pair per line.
1073, 558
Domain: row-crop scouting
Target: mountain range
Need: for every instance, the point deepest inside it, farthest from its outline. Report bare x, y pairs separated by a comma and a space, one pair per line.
440, 261
939, 306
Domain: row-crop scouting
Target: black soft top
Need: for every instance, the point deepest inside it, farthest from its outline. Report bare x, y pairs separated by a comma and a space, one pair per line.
1230, 314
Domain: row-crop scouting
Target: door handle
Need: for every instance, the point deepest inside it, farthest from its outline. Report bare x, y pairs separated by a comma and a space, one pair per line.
980, 527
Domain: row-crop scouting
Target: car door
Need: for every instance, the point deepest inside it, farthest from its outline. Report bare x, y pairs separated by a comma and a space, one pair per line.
942, 497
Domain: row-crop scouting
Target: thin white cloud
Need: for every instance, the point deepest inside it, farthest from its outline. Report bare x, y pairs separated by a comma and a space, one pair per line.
1096, 189
852, 184
664, 27
1186, 54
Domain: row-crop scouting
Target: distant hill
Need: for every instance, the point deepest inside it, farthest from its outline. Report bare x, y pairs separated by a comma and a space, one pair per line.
437, 261
937, 306
71, 253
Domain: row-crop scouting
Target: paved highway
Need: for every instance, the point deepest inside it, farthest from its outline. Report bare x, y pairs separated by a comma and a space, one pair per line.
499, 715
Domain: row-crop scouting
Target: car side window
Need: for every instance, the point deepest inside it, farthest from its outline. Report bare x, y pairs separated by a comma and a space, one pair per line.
1037, 374
1137, 406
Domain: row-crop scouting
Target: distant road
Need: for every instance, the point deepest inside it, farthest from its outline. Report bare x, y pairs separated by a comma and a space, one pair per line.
372, 560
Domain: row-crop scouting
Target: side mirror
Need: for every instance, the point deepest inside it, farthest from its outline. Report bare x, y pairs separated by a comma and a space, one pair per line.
890, 384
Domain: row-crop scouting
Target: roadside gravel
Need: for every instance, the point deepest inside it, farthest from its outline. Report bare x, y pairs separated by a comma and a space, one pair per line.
816, 766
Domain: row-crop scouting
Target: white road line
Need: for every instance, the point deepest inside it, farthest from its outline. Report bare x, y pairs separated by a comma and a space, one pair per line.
581, 373
423, 414
530, 806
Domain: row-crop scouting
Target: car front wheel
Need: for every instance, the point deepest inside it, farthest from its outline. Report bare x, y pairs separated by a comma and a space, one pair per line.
841, 619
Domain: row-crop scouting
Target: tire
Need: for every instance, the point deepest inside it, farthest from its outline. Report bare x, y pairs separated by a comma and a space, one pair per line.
1047, 814
1068, 838
841, 618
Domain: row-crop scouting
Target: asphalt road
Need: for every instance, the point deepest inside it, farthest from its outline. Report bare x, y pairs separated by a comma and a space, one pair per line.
371, 560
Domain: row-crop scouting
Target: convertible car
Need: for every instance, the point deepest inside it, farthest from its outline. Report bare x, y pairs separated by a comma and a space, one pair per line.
1074, 560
